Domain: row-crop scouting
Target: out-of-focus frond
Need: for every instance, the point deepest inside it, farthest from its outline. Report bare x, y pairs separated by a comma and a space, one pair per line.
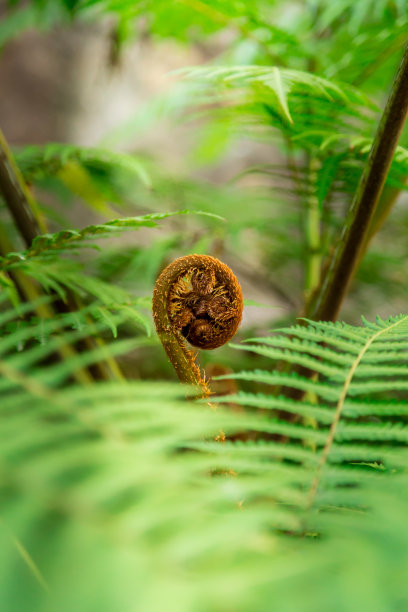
133, 484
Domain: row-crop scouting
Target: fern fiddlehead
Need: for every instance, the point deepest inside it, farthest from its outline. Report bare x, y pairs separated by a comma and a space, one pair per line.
196, 298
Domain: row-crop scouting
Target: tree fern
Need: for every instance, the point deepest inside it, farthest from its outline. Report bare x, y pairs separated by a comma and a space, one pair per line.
289, 493
101, 477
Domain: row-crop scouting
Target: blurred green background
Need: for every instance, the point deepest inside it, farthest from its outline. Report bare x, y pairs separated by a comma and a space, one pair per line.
253, 119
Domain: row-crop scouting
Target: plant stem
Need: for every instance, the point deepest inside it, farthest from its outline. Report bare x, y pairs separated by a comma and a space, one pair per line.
195, 292
326, 305
312, 235
19, 200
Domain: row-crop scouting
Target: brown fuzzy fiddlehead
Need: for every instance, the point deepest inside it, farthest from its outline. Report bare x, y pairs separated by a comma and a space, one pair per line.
196, 298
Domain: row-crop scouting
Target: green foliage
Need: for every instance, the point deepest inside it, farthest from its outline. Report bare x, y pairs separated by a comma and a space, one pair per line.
35, 161
48, 246
45, 262
100, 177
281, 88
126, 476
351, 366
306, 79
289, 490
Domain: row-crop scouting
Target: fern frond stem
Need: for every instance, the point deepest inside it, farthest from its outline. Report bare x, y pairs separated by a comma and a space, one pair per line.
18, 199
31, 564
340, 403
27, 558
29, 291
330, 296
312, 236
198, 299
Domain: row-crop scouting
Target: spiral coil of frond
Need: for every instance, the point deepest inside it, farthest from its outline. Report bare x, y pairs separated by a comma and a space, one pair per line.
196, 298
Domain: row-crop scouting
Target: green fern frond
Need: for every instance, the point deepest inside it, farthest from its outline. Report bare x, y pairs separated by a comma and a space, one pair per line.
46, 262
36, 161
130, 474
357, 15
301, 105
77, 452
126, 496
294, 81
352, 376
52, 245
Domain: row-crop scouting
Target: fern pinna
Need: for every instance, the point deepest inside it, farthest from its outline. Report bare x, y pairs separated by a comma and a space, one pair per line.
347, 414
130, 475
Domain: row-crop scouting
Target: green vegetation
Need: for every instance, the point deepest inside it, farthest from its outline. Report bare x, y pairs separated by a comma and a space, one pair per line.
288, 491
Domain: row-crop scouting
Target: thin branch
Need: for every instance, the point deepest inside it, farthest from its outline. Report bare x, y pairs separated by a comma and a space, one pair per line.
326, 305
19, 201
312, 233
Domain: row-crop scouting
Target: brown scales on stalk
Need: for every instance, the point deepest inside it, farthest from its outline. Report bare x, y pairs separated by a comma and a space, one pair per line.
196, 298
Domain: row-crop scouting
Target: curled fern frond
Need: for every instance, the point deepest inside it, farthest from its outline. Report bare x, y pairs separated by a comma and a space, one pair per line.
196, 298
